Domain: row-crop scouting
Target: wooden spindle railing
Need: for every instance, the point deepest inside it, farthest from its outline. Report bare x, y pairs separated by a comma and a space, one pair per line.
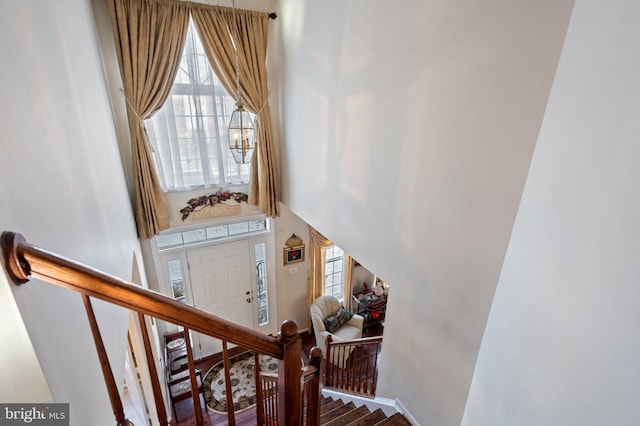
282, 396
311, 376
352, 366
269, 385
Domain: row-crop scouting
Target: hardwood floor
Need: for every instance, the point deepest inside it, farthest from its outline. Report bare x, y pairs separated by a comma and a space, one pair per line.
185, 410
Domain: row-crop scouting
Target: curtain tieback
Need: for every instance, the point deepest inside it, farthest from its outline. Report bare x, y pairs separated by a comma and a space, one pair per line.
264, 104
133, 110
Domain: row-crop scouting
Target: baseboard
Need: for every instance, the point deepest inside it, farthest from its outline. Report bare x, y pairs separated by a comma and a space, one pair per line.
403, 410
387, 405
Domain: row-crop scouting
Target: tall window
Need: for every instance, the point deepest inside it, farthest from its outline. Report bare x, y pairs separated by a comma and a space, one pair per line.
334, 272
189, 132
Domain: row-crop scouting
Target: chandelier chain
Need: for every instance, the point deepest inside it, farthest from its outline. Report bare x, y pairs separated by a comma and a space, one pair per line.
237, 40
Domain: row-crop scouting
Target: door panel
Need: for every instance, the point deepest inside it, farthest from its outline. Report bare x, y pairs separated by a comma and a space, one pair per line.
222, 285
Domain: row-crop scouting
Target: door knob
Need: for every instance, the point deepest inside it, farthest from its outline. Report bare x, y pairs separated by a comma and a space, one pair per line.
248, 292
248, 300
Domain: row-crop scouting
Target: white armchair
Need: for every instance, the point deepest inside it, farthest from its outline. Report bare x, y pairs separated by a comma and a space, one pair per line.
322, 308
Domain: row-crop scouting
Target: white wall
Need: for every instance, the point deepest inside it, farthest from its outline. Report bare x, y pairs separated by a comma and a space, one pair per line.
63, 188
562, 345
407, 132
293, 279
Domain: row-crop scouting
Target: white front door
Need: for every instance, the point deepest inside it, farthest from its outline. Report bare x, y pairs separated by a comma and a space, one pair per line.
221, 284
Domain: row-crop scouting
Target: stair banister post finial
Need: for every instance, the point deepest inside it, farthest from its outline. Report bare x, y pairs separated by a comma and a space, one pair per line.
17, 267
289, 375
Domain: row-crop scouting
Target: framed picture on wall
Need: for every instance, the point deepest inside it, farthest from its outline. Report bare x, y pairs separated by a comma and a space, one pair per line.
293, 254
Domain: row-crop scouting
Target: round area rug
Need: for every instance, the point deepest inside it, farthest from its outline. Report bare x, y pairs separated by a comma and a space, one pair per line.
243, 383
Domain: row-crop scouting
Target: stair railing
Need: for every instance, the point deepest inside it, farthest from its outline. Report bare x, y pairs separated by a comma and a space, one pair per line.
352, 365
311, 377
24, 261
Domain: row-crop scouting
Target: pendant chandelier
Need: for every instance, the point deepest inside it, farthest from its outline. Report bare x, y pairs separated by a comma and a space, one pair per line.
242, 140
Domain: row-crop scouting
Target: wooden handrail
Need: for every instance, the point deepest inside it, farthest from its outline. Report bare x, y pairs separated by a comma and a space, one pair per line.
24, 261
361, 341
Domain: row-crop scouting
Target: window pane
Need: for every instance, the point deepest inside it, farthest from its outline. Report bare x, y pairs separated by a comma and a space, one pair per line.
217, 232
168, 241
328, 268
261, 283
257, 225
328, 253
333, 269
238, 228
193, 237
176, 278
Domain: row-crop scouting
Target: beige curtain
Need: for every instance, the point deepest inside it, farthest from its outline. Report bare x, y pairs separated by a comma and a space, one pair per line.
149, 37
217, 29
318, 244
317, 247
348, 278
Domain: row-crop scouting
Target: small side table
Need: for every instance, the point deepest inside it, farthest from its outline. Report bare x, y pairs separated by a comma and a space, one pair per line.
373, 308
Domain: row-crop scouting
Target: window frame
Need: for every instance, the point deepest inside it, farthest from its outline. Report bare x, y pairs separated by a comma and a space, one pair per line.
332, 261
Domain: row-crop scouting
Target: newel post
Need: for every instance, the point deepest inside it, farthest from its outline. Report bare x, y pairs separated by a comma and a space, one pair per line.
289, 376
314, 396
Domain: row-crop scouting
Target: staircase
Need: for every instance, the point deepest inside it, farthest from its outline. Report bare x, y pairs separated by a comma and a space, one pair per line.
337, 413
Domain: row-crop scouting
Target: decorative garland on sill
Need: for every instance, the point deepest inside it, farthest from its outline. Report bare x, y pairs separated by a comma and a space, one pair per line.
205, 201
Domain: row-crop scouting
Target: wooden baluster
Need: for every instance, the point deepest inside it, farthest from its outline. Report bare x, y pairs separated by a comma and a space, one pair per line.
314, 396
195, 390
374, 377
361, 375
153, 372
231, 415
265, 391
272, 405
348, 366
109, 380
259, 393
289, 373
365, 388
270, 402
275, 419
328, 366
341, 351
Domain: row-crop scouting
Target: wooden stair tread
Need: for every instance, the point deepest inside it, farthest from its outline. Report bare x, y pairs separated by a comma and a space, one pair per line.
349, 417
326, 400
370, 419
396, 420
329, 406
327, 416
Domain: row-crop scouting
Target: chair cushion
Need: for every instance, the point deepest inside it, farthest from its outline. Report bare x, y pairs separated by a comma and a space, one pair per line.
337, 320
